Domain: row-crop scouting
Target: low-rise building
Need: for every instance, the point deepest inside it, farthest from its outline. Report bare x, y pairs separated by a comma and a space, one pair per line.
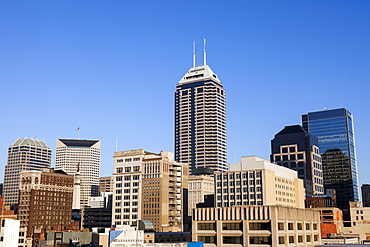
199, 186
256, 226
6, 213
124, 236
58, 238
329, 199
256, 181
9, 233
331, 221
360, 219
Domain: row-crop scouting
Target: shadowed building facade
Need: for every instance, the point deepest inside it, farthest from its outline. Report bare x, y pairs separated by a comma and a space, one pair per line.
335, 132
295, 148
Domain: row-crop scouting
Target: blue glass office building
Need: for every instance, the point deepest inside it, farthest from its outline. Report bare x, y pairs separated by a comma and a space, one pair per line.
334, 129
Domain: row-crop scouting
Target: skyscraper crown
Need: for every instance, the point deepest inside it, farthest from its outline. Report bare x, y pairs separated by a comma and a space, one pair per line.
199, 73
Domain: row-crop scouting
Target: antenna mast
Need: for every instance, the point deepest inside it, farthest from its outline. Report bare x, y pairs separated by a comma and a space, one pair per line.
204, 54
193, 54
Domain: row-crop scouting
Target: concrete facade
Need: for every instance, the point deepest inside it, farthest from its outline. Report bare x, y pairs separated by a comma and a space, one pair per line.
360, 219
9, 233
106, 184
331, 221
150, 186
199, 186
255, 181
72, 154
23, 155
256, 226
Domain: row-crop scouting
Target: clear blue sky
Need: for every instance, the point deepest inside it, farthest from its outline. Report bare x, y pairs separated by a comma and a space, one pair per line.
110, 68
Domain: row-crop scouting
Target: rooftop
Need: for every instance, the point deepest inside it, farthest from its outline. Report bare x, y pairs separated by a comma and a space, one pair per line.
199, 73
78, 142
30, 142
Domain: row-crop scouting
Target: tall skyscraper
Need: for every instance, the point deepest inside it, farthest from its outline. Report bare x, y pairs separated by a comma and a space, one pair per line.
85, 154
200, 120
23, 155
295, 148
334, 129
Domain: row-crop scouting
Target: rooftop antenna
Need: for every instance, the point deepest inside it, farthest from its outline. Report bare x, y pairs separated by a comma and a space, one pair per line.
116, 144
204, 54
193, 54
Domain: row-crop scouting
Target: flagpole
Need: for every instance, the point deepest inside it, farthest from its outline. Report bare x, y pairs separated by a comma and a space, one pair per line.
78, 130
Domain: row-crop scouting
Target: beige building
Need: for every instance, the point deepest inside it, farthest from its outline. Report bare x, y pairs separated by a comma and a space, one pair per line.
85, 154
200, 120
199, 186
255, 181
360, 219
23, 155
256, 226
106, 184
149, 186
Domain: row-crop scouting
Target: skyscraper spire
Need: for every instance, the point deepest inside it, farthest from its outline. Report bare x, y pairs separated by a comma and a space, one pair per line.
204, 53
200, 125
193, 54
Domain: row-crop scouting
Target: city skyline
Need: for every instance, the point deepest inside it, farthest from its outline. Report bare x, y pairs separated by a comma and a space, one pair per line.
81, 65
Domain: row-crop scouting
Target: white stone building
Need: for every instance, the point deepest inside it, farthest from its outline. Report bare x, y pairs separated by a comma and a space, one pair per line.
9, 233
85, 154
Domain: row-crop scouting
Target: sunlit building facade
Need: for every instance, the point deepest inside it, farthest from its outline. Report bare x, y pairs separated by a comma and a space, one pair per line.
150, 186
25, 154
199, 186
255, 181
270, 225
200, 120
74, 154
